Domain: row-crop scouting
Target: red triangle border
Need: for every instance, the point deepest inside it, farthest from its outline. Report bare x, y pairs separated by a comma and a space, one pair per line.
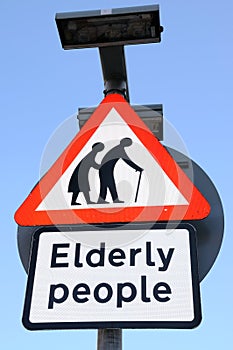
198, 207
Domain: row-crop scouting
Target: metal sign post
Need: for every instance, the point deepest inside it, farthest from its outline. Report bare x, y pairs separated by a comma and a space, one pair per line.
109, 339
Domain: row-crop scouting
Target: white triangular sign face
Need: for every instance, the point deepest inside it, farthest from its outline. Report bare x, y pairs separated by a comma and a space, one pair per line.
153, 179
114, 170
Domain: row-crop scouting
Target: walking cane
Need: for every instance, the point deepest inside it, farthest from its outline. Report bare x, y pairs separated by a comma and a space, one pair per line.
139, 180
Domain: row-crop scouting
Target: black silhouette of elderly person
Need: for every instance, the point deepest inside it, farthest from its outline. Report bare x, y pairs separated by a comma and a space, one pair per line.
79, 181
106, 171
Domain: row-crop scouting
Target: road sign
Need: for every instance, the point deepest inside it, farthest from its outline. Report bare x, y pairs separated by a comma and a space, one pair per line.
114, 278
114, 170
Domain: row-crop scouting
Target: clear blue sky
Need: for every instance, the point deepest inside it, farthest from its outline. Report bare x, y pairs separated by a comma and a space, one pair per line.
190, 72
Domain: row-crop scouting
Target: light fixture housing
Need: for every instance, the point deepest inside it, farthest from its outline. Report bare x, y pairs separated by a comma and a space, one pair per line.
152, 116
112, 27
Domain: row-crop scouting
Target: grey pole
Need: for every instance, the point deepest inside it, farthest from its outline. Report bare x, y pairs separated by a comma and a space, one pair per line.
114, 70
109, 339
115, 81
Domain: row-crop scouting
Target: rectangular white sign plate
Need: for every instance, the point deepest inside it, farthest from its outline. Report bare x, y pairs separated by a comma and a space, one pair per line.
131, 276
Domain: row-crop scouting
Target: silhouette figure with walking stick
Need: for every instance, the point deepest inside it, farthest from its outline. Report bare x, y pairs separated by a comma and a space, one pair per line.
106, 171
79, 181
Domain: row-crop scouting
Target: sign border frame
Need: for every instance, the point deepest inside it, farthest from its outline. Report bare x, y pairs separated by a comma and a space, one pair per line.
115, 324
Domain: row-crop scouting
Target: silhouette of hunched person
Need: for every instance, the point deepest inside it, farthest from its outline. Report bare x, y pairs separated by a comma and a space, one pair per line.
79, 181
106, 171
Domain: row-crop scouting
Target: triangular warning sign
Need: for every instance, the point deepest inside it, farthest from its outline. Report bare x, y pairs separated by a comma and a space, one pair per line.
114, 170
